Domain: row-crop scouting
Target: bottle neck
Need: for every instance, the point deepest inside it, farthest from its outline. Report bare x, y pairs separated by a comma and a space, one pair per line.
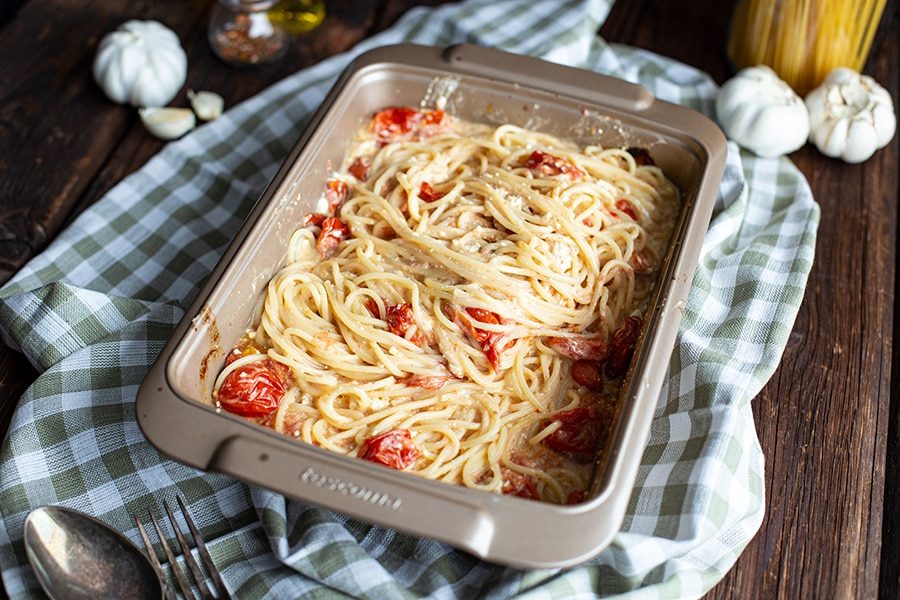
248, 5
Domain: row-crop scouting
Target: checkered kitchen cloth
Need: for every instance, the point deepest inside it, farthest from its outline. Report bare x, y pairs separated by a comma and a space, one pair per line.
94, 310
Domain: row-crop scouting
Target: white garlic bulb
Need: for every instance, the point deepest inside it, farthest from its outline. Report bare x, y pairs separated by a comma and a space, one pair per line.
851, 116
168, 123
207, 105
141, 63
762, 113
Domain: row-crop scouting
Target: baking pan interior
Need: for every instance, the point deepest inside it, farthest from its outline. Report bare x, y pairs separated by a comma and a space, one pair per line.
230, 308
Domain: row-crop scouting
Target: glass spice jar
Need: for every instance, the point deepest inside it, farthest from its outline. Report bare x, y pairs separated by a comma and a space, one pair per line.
242, 32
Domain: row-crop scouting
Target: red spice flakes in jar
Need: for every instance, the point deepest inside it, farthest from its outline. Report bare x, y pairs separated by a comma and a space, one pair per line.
242, 33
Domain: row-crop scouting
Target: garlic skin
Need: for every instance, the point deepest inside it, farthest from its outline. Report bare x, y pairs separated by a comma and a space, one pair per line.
141, 63
207, 105
851, 116
168, 123
762, 113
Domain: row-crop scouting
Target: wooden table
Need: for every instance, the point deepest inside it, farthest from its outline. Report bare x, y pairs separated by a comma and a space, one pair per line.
826, 421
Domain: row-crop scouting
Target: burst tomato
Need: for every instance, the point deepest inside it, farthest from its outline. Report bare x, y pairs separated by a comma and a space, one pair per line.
580, 348
547, 164
313, 219
623, 343
428, 382
576, 497
641, 156
252, 390
492, 343
399, 318
333, 231
589, 374
519, 484
394, 123
394, 449
427, 193
434, 118
359, 168
578, 435
625, 206
641, 262
335, 193
372, 307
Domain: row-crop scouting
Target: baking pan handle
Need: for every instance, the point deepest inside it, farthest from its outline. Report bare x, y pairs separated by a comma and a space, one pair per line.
351, 490
534, 72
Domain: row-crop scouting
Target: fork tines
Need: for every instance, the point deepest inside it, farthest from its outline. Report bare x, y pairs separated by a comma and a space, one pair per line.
215, 583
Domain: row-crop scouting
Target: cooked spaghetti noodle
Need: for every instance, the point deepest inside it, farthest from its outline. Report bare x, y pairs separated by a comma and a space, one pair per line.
463, 307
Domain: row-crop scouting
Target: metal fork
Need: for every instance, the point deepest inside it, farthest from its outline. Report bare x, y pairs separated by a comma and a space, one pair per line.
204, 586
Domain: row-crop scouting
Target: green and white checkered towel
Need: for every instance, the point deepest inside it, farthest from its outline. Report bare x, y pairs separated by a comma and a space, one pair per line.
94, 310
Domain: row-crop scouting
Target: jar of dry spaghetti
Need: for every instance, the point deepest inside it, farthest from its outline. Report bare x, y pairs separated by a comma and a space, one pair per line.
803, 40
242, 32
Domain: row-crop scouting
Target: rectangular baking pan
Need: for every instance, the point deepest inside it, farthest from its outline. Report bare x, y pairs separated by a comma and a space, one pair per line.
490, 86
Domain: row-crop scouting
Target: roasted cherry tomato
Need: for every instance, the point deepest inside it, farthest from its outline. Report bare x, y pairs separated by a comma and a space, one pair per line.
641, 262
580, 348
394, 123
485, 316
313, 219
394, 449
434, 118
428, 382
253, 390
427, 193
578, 435
399, 318
335, 193
519, 484
625, 206
359, 168
547, 164
372, 307
492, 343
641, 156
333, 231
588, 373
576, 497
623, 343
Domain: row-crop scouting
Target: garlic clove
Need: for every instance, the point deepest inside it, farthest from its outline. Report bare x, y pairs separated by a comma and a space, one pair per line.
168, 123
831, 137
862, 140
885, 122
207, 105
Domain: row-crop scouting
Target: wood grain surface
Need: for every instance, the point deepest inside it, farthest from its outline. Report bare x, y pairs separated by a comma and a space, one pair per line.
826, 423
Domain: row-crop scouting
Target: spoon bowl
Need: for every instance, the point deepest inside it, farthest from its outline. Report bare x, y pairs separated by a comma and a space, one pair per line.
77, 557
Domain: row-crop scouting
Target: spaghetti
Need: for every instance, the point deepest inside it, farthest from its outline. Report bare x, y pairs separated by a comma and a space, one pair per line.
804, 40
464, 305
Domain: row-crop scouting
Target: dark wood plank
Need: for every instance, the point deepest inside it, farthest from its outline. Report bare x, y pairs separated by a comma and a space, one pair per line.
56, 127
347, 23
822, 420
889, 585
8, 10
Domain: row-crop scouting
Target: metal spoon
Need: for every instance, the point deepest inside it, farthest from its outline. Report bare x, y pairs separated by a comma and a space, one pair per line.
77, 557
